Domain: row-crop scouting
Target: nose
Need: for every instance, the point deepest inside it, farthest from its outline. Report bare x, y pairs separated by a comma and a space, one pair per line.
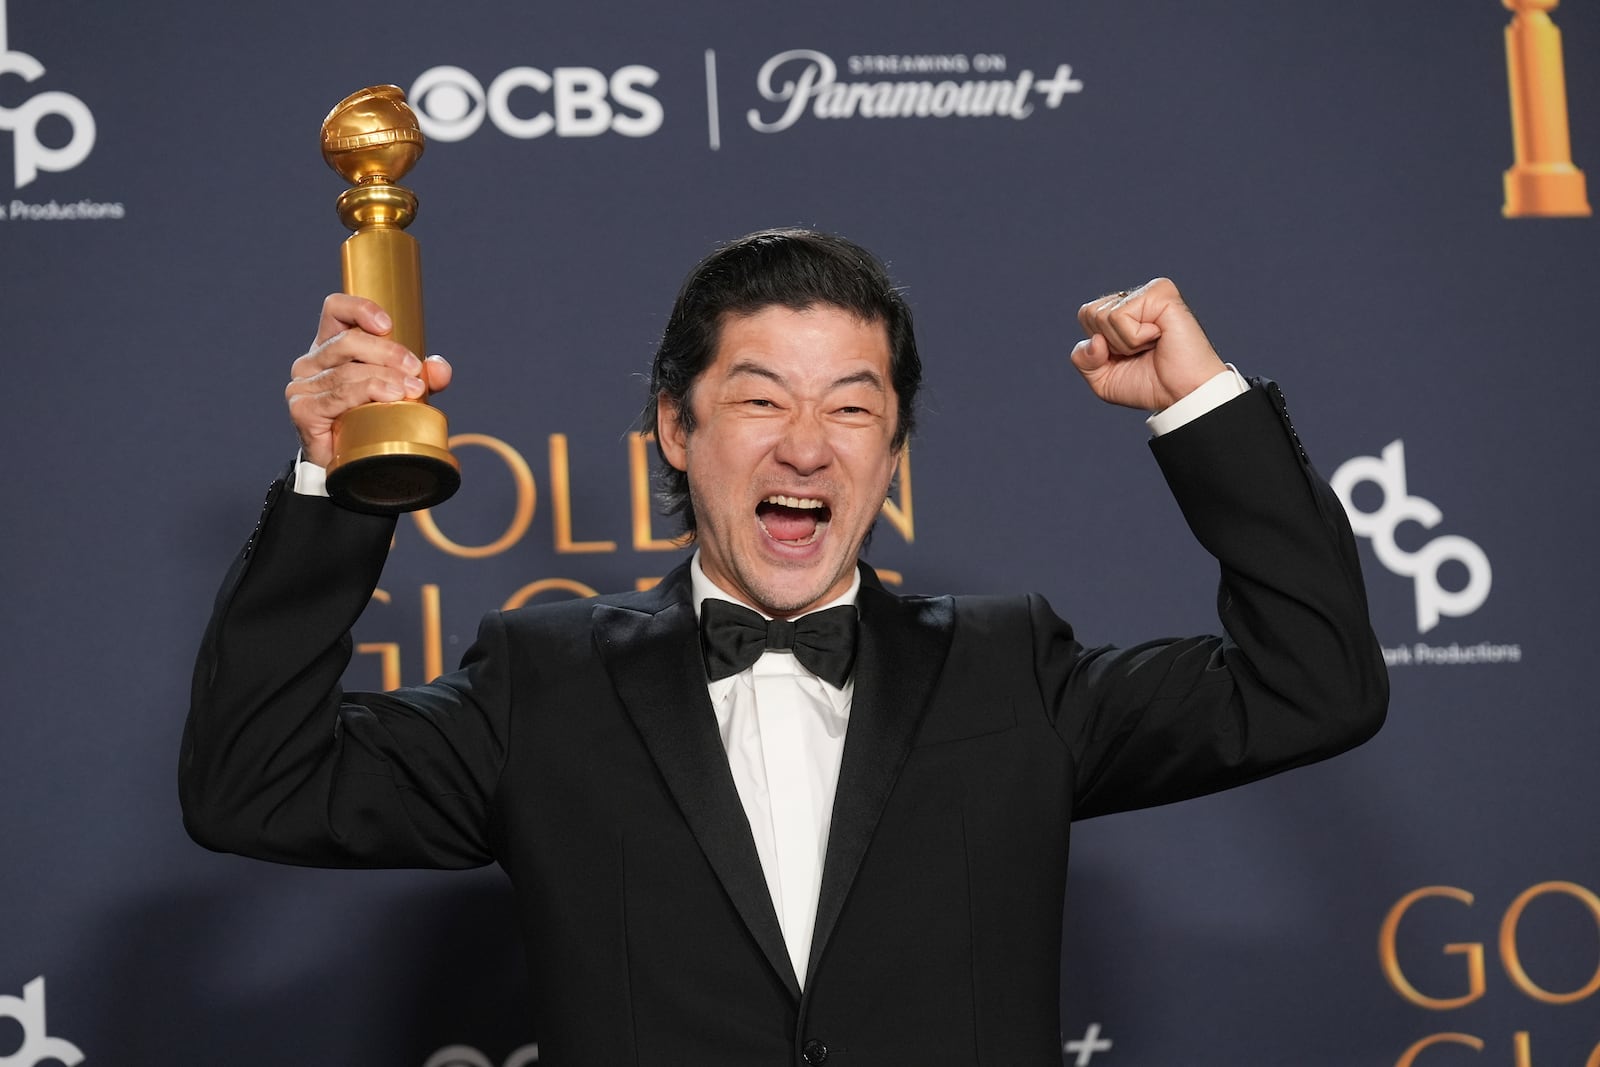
804, 446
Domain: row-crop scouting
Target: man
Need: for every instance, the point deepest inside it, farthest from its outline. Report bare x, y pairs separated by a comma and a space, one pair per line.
744, 843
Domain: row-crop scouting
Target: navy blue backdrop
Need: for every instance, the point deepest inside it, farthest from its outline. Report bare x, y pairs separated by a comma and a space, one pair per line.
1322, 179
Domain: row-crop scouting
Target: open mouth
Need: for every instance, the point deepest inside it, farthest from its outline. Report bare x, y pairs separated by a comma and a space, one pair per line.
793, 520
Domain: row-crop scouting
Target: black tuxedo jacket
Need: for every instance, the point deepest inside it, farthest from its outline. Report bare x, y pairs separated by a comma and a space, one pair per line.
577, 747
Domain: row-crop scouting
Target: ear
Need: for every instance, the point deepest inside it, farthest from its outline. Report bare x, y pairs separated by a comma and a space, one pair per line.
670, 434
894, 471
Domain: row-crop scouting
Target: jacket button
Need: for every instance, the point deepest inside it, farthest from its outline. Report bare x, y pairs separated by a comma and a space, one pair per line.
814, 1052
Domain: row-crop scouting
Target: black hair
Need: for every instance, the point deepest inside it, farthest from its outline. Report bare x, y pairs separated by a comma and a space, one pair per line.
792, 268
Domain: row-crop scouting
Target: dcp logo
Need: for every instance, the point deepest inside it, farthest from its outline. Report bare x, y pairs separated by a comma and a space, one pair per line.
31, 155
1388, 473
581, 102
36, 1047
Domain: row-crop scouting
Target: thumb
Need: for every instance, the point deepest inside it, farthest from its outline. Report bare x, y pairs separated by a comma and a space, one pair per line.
1090, 354
438, 373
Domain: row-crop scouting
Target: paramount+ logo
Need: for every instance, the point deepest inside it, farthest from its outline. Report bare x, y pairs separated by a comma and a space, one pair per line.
805, 81
528, 102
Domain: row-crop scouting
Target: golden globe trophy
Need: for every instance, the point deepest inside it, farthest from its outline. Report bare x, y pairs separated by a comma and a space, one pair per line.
387, 457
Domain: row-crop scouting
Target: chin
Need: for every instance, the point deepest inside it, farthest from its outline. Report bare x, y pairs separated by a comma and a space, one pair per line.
785, 598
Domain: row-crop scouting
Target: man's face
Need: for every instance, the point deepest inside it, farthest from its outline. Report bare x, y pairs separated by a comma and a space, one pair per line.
791, 454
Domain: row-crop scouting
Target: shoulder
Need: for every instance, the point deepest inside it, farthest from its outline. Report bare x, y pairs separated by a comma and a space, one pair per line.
576, 614
968, 615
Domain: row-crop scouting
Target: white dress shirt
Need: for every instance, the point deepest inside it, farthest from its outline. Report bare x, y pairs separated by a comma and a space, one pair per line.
783, 730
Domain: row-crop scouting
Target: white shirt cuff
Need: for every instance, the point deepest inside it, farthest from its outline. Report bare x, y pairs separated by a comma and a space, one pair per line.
1212, 394
309, 479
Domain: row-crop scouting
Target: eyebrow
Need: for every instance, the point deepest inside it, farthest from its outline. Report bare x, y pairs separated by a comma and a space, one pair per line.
860, 377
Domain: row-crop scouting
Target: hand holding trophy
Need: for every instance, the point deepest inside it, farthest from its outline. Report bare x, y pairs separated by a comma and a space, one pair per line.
389, 456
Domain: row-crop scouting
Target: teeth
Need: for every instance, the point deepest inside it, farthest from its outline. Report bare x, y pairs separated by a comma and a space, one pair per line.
794, 502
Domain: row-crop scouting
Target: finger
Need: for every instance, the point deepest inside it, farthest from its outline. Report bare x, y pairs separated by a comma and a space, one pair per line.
330, 394
1164, 290
355, 345
1095, 316
1165, 306
1091, 315
1128, 326
1156, 300
1122, 317
341, 311
1086, 318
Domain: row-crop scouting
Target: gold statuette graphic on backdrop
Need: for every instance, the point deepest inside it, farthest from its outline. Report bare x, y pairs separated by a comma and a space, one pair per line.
387, 457
1542, 181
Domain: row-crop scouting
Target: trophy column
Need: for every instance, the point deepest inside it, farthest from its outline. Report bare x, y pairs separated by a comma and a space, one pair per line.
387, 457
1543, 180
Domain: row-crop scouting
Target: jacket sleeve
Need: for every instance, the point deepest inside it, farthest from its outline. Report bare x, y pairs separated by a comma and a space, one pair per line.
1299, 675
279, 763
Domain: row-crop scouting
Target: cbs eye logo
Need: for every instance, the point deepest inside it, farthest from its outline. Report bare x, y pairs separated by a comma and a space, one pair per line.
451, 103
30, 153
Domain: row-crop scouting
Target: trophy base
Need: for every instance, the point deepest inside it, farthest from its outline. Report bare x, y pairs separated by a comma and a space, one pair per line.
390, 458
1545, 190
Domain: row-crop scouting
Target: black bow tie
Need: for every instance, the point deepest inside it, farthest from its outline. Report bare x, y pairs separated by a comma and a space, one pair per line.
733, 637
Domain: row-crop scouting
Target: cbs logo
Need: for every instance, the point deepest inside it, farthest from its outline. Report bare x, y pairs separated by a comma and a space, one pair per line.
577, 102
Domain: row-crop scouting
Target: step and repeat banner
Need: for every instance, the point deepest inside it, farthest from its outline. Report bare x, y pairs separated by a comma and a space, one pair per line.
1328, 184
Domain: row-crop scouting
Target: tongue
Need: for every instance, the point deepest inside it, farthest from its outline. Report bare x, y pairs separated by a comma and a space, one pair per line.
789, 524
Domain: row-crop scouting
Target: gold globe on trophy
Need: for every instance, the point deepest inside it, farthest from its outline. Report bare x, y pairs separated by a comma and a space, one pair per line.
387, 457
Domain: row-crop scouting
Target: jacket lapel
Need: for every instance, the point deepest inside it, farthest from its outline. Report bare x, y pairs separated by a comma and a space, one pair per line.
653, 655
903, 645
